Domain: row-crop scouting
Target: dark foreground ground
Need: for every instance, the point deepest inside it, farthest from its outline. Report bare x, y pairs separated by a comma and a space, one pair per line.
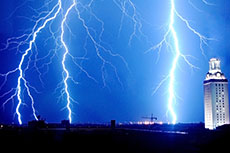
130, 139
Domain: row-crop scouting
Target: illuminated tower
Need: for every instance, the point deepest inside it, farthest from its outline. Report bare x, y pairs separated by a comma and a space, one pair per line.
216, 103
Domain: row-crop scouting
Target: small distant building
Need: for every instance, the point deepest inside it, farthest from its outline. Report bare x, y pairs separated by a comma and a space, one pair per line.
216, 99
37, 124
113, 123
65, 124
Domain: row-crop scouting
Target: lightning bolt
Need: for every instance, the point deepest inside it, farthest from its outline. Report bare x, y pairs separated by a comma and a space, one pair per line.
175, 60
21, 80
66, 72
174, 46
97, 43
21, 77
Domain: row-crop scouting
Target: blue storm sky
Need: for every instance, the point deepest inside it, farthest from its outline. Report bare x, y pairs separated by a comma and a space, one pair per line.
126, 92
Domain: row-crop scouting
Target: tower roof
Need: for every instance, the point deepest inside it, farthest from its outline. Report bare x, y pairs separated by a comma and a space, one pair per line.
214, 72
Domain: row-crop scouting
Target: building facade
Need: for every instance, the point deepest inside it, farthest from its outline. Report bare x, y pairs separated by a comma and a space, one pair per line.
216, 100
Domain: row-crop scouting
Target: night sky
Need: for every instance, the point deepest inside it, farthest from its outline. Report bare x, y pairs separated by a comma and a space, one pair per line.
124, 88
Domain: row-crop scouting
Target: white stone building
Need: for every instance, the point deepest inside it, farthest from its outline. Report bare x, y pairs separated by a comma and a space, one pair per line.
216, 101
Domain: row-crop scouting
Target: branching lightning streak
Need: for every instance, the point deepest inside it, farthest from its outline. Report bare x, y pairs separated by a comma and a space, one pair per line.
21, 77
176, 50
172, 71
66, 77
135, 17
207, 3
98, 45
